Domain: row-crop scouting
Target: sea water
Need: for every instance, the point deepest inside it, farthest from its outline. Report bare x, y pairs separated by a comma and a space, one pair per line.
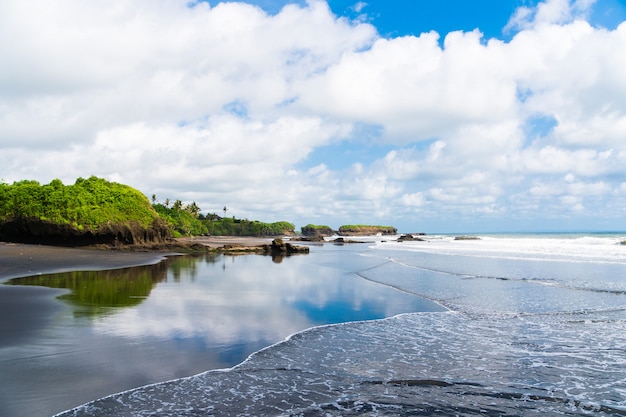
534, 325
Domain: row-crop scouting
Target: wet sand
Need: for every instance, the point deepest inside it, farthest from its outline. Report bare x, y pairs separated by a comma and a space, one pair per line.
18, 260
27, 311
219, 241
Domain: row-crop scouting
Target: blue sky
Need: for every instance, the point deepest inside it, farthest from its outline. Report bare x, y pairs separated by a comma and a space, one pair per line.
395, 18
446, 116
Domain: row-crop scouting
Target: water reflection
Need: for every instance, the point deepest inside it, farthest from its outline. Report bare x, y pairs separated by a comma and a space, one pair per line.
184, 316
96, 292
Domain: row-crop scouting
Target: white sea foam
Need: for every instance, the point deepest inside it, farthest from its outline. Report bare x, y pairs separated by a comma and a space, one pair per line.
534, 247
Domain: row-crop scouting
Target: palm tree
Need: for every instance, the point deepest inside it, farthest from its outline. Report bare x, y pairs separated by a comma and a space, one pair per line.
193, 209
225, 210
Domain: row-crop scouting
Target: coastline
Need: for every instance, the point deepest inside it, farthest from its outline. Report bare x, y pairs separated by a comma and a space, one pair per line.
26, 311
20, 260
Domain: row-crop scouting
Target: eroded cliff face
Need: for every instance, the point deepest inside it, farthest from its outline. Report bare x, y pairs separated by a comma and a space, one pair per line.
35, 231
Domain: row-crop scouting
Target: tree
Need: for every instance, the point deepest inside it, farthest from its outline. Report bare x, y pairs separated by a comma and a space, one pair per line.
167, 203
225, 210
193, 209
154, 200
178, 205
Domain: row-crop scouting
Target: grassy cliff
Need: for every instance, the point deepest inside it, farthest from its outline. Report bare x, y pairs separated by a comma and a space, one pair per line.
366, 230
313, 230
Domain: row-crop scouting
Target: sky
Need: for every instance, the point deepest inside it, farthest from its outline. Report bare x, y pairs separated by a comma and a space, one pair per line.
439, 116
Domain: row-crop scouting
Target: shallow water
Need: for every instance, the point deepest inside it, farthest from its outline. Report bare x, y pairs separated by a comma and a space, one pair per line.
535, 327
110, 331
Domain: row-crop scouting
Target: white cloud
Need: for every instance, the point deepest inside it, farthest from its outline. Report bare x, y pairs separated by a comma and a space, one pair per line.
549, 12
228, 105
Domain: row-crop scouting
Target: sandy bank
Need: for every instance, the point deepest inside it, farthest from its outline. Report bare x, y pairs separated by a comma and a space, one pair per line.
219, 241
18, 260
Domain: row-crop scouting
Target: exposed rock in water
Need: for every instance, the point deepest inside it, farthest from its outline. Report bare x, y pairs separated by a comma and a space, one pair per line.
341, 241
309, 239
277, 247
410, 238
466, 238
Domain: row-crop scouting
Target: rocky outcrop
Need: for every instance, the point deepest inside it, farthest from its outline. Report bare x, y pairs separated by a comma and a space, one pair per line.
315, 239
341, 241
277, 247
365, 230
35, 231
311, 230
404, 238
466, 238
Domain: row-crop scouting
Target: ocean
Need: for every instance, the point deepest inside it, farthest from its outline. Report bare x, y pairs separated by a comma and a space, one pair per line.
528, 324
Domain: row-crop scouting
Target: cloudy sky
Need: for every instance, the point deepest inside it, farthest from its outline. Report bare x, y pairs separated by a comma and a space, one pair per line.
435, 116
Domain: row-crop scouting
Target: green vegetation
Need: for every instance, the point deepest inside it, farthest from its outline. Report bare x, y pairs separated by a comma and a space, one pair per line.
182, 220
364, 229
88, 204
186, 220
238, 227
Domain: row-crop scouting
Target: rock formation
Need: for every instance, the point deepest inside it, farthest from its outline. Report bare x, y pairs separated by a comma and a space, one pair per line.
314, 231
365, 230
35, 231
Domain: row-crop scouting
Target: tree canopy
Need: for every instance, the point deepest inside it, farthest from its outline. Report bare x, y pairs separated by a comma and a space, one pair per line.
88, 203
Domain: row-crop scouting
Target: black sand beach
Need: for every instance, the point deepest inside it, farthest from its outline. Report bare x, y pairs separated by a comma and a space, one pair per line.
18, 260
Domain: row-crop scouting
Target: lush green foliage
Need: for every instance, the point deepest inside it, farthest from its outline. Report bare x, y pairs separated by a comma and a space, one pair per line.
89, 203
93, 202
364, 228
186, 220
316, 226
182, 220
236, 227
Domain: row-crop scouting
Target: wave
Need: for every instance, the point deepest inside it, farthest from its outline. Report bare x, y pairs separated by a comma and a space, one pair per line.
411, 364
520, 337
589, 249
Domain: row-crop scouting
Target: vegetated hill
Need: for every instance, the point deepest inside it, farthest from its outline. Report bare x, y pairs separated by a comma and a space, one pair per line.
91, 211
311, 230
366, 230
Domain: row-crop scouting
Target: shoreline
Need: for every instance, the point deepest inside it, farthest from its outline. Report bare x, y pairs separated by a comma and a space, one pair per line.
21, 260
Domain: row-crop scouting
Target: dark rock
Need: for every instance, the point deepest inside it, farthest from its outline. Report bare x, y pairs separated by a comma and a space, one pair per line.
309, 239
35, 231
341, 241
316, 231
410, 238
278, 246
